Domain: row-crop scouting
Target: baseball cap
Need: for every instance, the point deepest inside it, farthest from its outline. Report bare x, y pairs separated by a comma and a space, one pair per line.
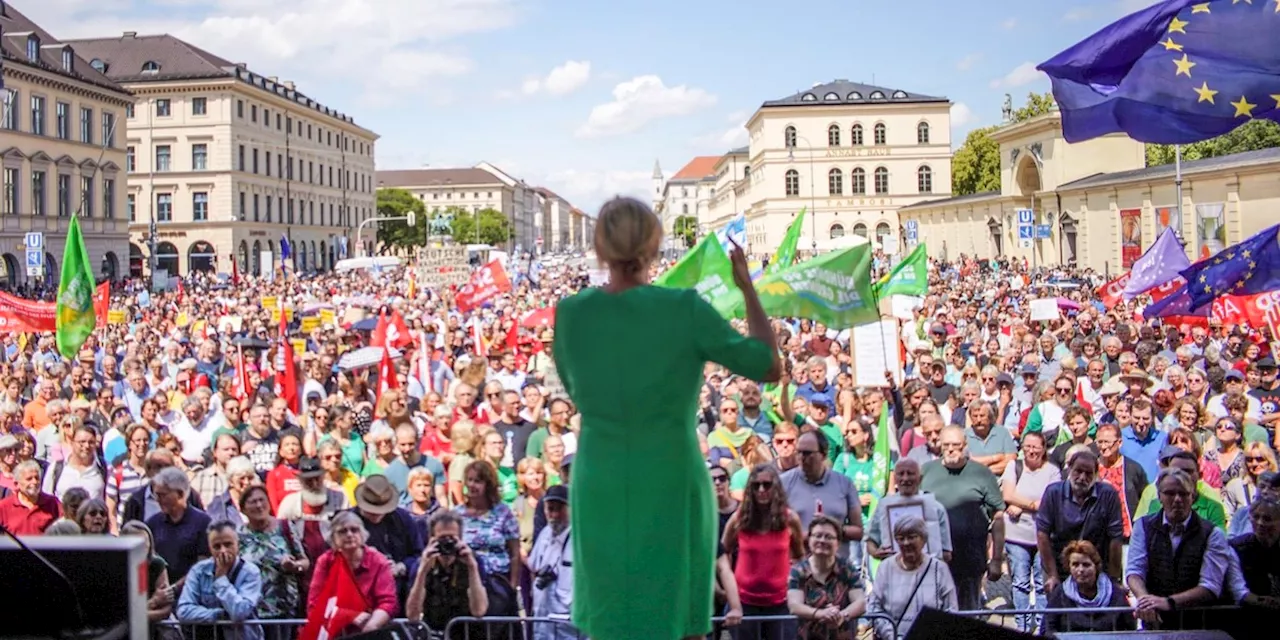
1169, 452
1267, 363
558, 493
1233, 374
1030, 370
1004, 378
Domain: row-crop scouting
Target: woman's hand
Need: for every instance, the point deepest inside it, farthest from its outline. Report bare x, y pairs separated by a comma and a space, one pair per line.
733, 617
1013, 511
361, 619
741, 272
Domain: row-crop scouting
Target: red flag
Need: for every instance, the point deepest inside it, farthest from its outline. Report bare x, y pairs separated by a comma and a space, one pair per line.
513, 336
486, 283
379, 336
338, 604
387, 378
182, 291
235, 271
1112, 293
241, 385
286, 371
102, 302
398, 332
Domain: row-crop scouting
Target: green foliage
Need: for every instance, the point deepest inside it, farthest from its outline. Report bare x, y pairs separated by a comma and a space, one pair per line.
1253, 135
686, 229
494, 227
975, 167
397, 203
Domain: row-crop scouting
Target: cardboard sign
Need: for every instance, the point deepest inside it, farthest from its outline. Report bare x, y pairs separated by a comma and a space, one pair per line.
310, 323
328, 318
270, 302
115, 316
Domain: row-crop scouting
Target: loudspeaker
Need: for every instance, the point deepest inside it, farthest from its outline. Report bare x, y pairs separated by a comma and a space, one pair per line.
933, 624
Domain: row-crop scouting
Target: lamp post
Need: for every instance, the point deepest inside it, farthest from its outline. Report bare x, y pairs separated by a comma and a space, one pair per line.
813, 213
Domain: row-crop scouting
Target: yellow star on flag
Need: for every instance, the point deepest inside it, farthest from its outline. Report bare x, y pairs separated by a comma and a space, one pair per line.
1276, 97
1245, 254
1178, 26
1200, 8
1206, 94
1244, 108
1239, 1
1277, 6
776, 288
1170, 45
1184, 66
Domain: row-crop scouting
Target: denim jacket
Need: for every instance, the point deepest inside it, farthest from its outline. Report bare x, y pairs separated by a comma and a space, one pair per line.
206, 599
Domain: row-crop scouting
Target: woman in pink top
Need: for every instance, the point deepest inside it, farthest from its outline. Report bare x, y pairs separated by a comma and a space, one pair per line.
765, 536
371, 569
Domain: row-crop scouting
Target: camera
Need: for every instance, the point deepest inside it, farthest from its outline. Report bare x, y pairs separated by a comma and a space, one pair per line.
447, 546
544, 578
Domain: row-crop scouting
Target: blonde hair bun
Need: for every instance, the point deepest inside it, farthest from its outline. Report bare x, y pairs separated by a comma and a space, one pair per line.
628, 234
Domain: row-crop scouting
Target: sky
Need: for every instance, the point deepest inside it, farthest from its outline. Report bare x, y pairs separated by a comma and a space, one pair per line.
581, 96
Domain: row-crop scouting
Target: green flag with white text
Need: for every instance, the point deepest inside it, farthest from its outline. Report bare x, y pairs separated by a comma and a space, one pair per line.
833, 288
75, 316
909, 278
786, 253
706, 268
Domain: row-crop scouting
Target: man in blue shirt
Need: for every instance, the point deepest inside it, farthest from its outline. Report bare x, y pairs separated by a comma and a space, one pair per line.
223, 587
1141, 442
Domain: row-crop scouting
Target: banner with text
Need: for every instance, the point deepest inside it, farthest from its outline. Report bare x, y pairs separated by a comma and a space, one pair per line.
485, 284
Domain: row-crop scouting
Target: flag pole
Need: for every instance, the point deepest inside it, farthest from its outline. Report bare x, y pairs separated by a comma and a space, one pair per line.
1177, 181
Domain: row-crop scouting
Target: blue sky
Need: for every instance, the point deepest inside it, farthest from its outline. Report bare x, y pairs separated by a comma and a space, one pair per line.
582, 95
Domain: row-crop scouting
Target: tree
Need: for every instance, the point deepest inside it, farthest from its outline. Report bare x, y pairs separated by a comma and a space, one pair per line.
686, 229
397, 203
1253, 135
975, 167
495, 228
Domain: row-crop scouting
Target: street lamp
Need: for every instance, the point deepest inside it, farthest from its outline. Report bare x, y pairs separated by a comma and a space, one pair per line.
813, 214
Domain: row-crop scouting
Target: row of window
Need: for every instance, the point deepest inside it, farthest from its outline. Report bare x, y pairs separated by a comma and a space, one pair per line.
880, 135
249, 162
303, 213
68, 200
882, 230
462, 195
38, 120
858, 181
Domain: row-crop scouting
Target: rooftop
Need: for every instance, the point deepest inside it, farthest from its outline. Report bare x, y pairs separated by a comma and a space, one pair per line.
410, 178
698, 168
844, 92
1167, 171
17, 31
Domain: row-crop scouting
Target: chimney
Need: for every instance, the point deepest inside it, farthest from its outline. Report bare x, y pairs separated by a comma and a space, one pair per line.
288, 84
131, 34
242, 65
274, 79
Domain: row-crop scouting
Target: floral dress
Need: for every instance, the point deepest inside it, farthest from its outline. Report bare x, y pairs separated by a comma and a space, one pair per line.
838, 590
487, 535
279, 589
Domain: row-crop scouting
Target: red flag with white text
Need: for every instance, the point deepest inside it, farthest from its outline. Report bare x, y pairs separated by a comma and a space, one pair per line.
485, 284
338, 605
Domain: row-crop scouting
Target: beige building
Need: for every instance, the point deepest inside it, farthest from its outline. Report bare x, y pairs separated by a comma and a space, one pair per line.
225, 161
473, 189
686, 193
1101, 206
557, 222
851, 154
62, 152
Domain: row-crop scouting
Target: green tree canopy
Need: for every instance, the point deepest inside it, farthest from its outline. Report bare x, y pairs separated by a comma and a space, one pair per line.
975, 167
686, 229
1253, 135
397, 203
494, 227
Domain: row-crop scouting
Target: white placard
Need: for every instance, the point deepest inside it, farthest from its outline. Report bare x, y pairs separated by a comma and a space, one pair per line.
903, 307
1045, 309
598, 277
875, 350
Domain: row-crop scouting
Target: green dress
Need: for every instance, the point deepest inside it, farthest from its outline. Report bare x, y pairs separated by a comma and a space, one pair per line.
642, 506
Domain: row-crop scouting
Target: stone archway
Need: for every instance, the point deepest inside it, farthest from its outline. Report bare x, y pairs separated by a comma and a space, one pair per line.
1027, 177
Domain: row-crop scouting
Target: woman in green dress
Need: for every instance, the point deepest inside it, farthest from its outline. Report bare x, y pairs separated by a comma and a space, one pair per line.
631, 357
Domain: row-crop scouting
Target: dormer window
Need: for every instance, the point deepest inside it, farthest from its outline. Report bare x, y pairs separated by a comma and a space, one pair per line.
899, 94
833, 96
68, 59
809, 97
150, 67
99, 65
877, 95
33, 48
853, 95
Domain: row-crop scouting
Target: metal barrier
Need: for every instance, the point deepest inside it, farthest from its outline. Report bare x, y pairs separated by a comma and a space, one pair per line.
515, 628
279, 629
1046, 622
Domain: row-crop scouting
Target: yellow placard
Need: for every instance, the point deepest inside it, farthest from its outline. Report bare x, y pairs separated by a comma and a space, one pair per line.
115, 316
299, 346
275, 315
270, 302
310, 323
328, 318
182, 320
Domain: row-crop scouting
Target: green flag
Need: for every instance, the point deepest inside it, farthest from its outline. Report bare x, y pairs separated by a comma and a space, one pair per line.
833, 288
880, 456
786, 253
706, 268
75, 317
909, 278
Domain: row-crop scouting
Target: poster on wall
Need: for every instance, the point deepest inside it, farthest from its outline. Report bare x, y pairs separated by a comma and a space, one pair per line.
1211, 231
1168, 218
1130, 236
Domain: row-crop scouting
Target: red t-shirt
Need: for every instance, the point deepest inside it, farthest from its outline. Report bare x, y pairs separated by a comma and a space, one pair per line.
434, 444
23, 521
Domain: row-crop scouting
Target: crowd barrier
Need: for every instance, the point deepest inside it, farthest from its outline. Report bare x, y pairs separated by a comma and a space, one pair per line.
1188, 618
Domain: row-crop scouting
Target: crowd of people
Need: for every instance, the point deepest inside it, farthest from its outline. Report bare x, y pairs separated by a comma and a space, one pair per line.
1112, 471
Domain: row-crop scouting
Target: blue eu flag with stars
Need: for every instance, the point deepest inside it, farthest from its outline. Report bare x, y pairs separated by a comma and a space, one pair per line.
1177, 72
1245, 269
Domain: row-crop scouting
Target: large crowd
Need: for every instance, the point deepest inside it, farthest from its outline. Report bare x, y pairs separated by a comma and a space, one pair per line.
1111, 471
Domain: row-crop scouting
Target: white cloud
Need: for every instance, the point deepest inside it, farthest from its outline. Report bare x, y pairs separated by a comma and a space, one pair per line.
640, 101
731, 137
562, 80
588, 189
961, 115
1009, 23
967, 62
1022, 74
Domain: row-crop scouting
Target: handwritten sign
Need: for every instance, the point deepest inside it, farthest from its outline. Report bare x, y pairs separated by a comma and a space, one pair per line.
443, 267
269, 302
310, 323
328, 318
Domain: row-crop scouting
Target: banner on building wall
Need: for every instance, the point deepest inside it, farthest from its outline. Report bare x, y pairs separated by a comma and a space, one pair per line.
1211, 230
1130, 237
1168, 218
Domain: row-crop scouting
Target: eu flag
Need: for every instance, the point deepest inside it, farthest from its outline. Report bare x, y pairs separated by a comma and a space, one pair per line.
1177, 72
1248, 268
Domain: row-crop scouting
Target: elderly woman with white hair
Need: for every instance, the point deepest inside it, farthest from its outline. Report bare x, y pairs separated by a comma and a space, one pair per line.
240, 476
909, 582
371, 570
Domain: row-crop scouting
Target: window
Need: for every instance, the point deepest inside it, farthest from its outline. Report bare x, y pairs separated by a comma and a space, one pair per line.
86, 125
239, 108
882, 180
789, 137
899, 94
99, 65
257, 200
131, 207
808, 97
860, 230
922, 133
243, 199
10, 115
793, 182
280, 165
150, 68
64, 121
130, 160
877, 95
164, 108
255, 160
33, 48
833, 135
86, 197
109, 130
684, 208
831, 96
38, 193
240, 159
164, 207
199, 157
253, 113
64, 195
837, 231
924, 179
746, 172
128, 111
108, 198
882, 233
855, 135
835, 182
199, 206
163, 156
268, 209
11, 178
199, 106
68, 59
881, 133
857, 181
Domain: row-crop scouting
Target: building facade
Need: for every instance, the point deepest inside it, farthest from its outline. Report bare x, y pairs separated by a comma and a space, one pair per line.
687, 193
1096, 204
62, 153
224, 162
557, 217
525, 209
469, 189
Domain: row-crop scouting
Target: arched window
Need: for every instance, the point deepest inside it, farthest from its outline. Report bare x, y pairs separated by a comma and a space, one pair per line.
746, 172
855, 135
882, 233
684, 208
858, 181
922, 133
831, 97
881, 133
899, 94
853, 95
835, 182
793, 182
837, 231
882, 180
877, 95
924, 179
860, 230
789, 136
809, 97
833, 135
150, 67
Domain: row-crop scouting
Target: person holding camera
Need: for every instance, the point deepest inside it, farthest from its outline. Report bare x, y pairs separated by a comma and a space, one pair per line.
449, 583
551, 563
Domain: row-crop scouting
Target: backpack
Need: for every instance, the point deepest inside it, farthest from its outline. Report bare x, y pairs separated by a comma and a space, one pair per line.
1017, 471
61, 465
